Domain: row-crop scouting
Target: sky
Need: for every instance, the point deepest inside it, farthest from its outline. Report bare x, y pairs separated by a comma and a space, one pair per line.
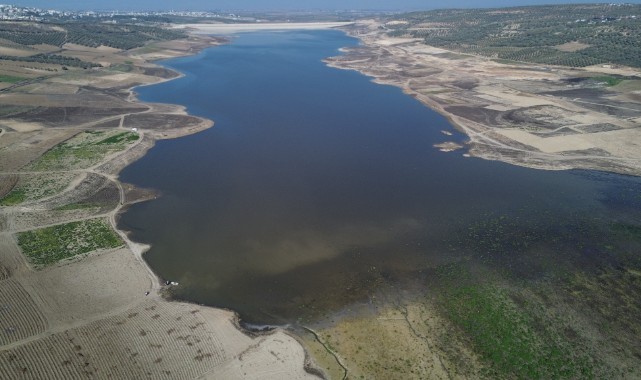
281, 4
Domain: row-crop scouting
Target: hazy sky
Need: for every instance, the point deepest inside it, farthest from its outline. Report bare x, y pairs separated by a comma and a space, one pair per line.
280, 4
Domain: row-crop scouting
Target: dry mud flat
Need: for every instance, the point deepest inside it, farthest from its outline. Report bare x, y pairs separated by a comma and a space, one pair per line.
100, 313
535, 116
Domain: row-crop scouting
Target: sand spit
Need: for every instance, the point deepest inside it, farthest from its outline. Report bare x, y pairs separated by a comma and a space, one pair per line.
536, 116
101, 314
253, 27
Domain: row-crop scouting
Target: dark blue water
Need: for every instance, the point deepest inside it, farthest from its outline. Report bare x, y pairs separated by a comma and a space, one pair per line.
316, 187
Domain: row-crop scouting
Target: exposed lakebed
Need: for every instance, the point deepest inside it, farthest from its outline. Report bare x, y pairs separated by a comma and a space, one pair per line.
316, 188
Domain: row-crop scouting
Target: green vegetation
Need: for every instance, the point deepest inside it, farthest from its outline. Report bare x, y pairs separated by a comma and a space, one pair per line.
83, 150
10, 79
608, 80
13, 198
529, 295
119, 138
32, 187
119, 36
52, 244
517, 340
600, 33
52, 59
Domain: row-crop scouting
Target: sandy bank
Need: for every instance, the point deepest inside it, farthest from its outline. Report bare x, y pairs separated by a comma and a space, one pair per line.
101, 314
524, 114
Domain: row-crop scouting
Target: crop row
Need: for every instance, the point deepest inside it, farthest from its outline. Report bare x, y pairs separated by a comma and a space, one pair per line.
608, 33
51, 244
87, 34
54, 59
19, 315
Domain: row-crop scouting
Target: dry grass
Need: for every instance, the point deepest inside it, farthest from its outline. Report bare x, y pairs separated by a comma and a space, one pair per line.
572, 46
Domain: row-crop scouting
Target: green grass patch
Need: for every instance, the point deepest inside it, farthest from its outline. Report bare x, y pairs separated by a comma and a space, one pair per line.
511, 339
10, 79
509, 330
56, 157
84, 150
49, 245
32, 187
608, 80
119, 138
13, 198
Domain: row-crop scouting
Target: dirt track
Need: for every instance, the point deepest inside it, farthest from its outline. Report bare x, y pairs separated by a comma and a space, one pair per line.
102, 315
522, 114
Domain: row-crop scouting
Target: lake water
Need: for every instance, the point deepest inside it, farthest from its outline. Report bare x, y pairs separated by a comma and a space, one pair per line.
317, 187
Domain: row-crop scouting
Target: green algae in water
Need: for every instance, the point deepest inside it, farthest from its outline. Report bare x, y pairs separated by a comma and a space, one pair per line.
515, 339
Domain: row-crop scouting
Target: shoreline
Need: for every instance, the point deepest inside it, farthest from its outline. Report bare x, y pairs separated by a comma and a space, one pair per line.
140, 249
67, 299
99, 296
311, 366
459, 124
485, 94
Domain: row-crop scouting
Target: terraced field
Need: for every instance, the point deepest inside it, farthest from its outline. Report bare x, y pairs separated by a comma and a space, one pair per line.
69, 292
152, 337
32, 187
94, 195
52, 244
20, 315
83, 150
53, 357
100, 314
575, 35
4, 273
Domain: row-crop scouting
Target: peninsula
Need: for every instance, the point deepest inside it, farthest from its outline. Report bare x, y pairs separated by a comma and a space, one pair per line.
543, 116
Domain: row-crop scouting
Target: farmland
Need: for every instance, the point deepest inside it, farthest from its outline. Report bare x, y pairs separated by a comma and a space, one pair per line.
123, 37
84, 150
52, 244
567, 35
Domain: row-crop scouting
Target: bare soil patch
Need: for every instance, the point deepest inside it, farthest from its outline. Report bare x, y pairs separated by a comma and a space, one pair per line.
19, 148
522, 114
66, 116
394, 339
101, 283
21, 317
167, 125
96, 311
572, 46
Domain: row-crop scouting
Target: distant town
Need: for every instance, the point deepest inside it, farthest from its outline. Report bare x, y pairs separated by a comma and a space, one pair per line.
18, 13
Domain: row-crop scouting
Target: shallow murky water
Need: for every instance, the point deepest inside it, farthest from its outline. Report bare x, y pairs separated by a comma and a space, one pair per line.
316, 187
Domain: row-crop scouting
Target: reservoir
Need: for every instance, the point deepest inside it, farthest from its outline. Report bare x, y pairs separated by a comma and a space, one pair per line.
316, 188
